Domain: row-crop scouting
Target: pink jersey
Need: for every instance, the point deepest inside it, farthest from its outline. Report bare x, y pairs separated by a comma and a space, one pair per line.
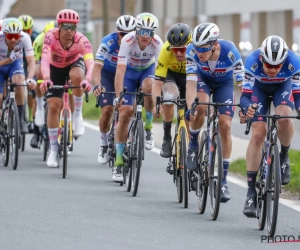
53, 53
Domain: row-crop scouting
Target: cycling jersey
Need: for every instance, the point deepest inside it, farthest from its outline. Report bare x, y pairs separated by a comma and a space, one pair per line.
131, 55
33, 36
107, 54
53, 53
228, 64
167, 60
24, 43
37, 46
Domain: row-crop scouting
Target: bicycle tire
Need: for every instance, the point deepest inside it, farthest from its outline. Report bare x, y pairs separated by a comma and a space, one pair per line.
215, 183
65, 142
273, 167
184, 173
177, 172
136, 155
23, 140
202, 183
261, 197
5, 144
14, 139
46, 142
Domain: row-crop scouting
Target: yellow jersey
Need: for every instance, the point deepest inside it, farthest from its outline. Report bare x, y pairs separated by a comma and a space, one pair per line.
167, 61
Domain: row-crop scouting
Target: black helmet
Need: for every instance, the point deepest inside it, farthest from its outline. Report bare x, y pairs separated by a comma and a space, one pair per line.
179, 34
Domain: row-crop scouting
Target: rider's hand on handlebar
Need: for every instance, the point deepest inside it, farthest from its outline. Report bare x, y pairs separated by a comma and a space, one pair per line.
31, 84
189, 116
116, 102
97, 90
85, 85
158, 115
251, 111
45, 85
242, 117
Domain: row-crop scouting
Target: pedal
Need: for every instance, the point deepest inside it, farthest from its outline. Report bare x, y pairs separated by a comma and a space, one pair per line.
169, 168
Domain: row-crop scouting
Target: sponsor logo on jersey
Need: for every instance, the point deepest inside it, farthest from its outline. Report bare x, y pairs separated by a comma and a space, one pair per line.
155, 40
238, 66
192, 52
114, 58
130, 38
231, 56
272, 80
110, 42
254, 66
291, 67
136, 54
295, 77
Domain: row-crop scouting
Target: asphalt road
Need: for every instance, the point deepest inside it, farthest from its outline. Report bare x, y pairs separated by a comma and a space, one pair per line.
40, 210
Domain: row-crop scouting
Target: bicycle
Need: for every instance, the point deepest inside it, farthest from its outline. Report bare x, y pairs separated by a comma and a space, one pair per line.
10, 127
268, 187
176, 165
134, 149
210, 157
65, 130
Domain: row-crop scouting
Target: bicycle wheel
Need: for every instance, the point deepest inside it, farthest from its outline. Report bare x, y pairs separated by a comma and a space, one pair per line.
184, 173
215, 182
5, 139
177, 172
261, 197
14, 135
136, 154
65, 142
273, 189
22, 144
202, 183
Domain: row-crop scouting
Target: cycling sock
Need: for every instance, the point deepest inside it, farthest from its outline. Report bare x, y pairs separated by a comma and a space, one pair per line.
149, 119
39, 103
167, 129
78, 106
251, 178
284, 152
30, 118
36, 129
225, 170
194, 138
119, 153
21, 113
53, 134
104, 138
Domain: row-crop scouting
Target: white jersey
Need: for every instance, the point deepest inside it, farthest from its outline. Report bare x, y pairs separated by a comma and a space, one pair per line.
24, 43
131, 55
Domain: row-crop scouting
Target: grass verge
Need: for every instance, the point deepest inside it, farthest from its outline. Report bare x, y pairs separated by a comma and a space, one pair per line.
239, 166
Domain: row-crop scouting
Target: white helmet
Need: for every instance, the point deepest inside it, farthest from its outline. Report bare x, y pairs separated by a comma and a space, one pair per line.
126, 23
12, 25
205, 33
146, 21
274, 50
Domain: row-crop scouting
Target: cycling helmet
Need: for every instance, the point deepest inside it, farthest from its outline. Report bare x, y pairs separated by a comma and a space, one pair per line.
49, 26
27, 22
12, 26
126, 23
205, 33
146, 21
179, 34
274, 50
67, 16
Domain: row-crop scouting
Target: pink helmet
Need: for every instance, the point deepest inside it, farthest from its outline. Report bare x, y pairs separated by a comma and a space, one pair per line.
67, 16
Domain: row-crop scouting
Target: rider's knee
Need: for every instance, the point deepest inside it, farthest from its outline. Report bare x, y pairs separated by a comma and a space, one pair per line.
125, 114
53, 107
106, 113
225, 125
76, 76
285, 123
258, 134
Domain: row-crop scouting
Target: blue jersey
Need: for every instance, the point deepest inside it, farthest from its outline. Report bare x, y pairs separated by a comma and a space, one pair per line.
228, 64
254, 72
107, 53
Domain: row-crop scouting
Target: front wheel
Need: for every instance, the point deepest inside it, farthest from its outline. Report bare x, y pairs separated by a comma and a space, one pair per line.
65, 142
273, 189
215, 176
184, 173
14, 135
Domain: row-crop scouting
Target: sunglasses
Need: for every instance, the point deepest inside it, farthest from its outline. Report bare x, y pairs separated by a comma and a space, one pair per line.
270, 66
180, 49
28, 31
144, 32
68, 26
203, 50
12, 36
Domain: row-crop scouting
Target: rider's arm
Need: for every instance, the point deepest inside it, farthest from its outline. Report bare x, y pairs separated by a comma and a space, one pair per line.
31, 66
88, 57
46, 55
29, 56
100, 57
247, 90
121, 66
5, 61
191, 80
237, 66
295, 79
37, 47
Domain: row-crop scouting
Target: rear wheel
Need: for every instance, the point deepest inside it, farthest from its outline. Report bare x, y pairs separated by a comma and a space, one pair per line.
65, 142
14, 135
202, 183
215, 176
273, 189
22, 144
183, 153
5, 140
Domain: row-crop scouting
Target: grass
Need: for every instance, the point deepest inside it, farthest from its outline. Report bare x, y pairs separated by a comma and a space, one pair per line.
239, 166
90, 112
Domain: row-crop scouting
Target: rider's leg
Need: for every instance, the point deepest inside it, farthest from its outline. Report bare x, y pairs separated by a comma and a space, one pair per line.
77, 75
30, 103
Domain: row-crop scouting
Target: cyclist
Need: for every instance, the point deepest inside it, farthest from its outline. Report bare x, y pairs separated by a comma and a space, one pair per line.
273, 70
212, 65
39, 117
170, 71
27, 23
13, 41
137, 57
1, 22
104, 75
65, 53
